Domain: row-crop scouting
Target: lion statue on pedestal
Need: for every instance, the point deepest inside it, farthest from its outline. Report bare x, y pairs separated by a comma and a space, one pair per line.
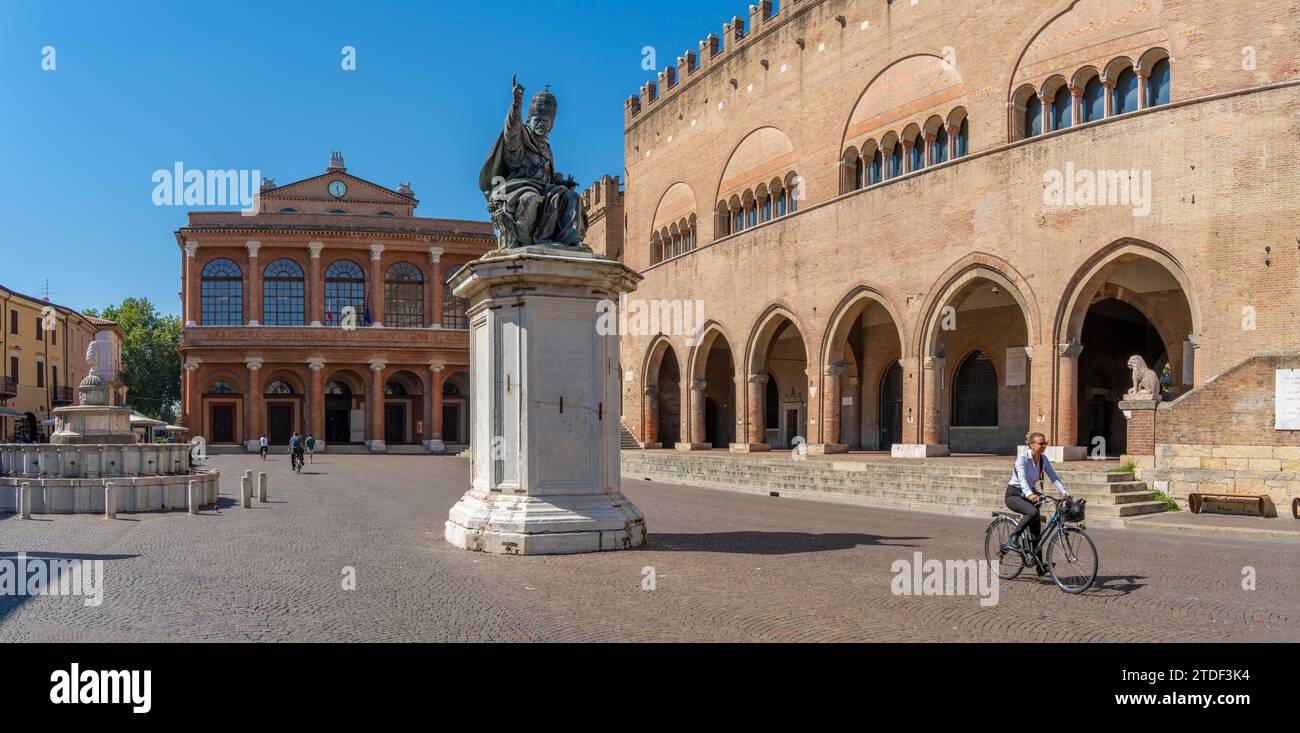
1146, 384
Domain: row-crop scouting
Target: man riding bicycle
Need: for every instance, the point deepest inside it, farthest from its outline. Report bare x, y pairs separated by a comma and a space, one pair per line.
1021, 496
295, 451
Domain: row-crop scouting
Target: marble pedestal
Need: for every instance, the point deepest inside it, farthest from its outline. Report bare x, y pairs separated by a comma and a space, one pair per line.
544, 385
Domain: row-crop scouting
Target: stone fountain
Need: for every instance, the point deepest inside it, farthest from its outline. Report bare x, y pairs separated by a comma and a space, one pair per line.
93, 445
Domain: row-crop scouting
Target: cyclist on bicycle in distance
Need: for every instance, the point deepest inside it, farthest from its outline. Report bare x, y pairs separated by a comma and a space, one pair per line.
295, 450
1021, 496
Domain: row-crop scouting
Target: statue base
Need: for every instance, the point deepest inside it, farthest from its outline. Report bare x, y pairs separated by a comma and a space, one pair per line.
92, 425
545, 401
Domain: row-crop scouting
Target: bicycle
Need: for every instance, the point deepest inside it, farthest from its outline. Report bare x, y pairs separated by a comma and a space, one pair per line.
1065, 534
295, 461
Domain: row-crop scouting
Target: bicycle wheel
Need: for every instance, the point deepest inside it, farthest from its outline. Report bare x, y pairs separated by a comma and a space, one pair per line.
1072, 559
1006, 566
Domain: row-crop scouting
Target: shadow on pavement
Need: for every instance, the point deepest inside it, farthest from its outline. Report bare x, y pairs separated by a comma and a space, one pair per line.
768, 543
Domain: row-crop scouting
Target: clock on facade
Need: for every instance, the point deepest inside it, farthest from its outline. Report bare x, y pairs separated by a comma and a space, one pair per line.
338, 188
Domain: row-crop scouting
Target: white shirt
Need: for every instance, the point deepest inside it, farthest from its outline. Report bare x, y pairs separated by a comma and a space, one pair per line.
263, 441
1026, 474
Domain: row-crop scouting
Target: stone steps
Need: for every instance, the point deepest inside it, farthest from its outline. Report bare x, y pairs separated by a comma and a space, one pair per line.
927, 486
626, 440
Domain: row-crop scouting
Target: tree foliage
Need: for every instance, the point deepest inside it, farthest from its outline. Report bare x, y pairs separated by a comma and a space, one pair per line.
150, 354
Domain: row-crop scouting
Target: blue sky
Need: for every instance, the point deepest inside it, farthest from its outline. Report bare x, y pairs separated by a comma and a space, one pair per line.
139, 86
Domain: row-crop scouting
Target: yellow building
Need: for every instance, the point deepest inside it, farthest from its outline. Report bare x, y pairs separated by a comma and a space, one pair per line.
44, 346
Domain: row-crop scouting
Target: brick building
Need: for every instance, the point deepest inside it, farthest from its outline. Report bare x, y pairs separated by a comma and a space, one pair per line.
935, 226
326, 313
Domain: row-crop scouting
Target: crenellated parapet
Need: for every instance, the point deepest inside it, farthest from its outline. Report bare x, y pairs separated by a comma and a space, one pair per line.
735, 34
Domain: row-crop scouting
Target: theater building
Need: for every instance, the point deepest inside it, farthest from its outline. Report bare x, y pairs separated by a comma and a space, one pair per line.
931, 227
326, 314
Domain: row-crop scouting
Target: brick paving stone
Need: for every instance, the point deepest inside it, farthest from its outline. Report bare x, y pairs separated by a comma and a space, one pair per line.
729, 566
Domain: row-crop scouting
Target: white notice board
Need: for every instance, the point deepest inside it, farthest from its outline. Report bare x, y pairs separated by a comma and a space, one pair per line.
1286, 400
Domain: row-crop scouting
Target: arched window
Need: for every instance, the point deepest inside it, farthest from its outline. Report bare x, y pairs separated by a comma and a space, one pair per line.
279, 387
896, 160
337, 388
288, 210
385, 213
737, 220
767, 207
404, 296
962, 143
221, 386
345, 285
282, 294
337, 211
1126, 92
1158, 84
1094, 101
453, 308
1062, 109
917, 153
975, 392
792, 192
657, 248
940, 146
1033, 116
779, 194
449, 389
396, 389
222, 294
859, 172
877, 170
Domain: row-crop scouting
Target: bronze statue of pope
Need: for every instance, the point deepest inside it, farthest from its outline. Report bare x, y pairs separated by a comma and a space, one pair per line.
529, 201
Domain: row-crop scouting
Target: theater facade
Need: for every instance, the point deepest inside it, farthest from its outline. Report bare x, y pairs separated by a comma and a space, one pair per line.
326, 313
932, 227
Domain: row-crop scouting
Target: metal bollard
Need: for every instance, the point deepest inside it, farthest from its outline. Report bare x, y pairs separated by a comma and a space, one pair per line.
192, 495
245, 492
261, 487
25, 500
110, 501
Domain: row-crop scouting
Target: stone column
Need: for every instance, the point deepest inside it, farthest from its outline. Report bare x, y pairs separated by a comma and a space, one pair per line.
315, 287
548, 480
929, 413
1108, 103
253, 408
953, 132
433, 290
852, 415
433, 409
1065, 440
375, 408
316, 421
193, 284
376, 285
1076, 105
907, 156
192, 418
253, 293
650, 419
1142, 75
830, 417
755, 437
697, 434
929, 138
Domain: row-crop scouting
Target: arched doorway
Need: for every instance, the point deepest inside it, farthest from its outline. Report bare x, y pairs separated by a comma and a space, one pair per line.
223, 399
864, 340
282, 401
713, 381
777, 352
345, 409
455, 409
890, 407
403, 408
663, 397
1133, 302
975, 370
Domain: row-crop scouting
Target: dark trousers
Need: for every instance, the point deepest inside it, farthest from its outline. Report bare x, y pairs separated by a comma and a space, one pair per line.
1018, 503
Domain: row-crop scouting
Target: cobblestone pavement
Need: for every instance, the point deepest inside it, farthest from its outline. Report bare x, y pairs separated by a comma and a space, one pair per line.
728, 566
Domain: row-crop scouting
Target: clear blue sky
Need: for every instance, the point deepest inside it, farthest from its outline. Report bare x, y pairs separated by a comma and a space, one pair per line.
258, 85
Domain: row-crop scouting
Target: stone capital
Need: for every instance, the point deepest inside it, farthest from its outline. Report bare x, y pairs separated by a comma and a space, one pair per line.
378, 366
1069, 350
698, 385
758, 379
834, 370
933, 362
253, 246
651, 390
315, 248
253, 364
376, 249
192, 364
437, 365
191, 247
316, 364
435, 254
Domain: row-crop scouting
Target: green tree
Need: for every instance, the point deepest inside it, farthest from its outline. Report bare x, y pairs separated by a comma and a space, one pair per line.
151, 356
